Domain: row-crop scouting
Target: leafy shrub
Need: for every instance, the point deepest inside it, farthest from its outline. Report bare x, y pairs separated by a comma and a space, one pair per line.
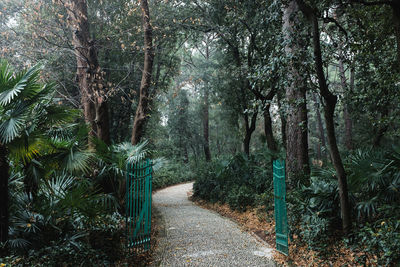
313, 209
238, 181
382, 238
314, 230
172, 173
239, 198
66, 222
374, 186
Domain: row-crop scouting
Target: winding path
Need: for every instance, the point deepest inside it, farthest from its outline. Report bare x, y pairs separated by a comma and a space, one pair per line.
194, 236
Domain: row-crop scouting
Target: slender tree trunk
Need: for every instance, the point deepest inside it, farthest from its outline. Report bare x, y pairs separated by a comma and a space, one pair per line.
297, 161
186, 155
246, 143
143, 107
4, 198
329, 110
283, 120
269, 135
89, 74
103, 121
206, 106
250, 128
337, 163
206, 130
217, 140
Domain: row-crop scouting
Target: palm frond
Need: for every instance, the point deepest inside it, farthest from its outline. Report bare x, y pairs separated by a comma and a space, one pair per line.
23, 79
11, 128
78, 161
159, 163
6, 74
19, 243
57, 186
131, 153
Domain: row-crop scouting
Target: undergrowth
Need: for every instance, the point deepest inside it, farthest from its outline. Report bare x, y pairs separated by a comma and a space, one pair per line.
314, 210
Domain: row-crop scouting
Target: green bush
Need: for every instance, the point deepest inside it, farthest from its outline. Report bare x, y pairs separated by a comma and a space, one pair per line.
381, 238
239, 198
172, 173
374, 186
69, 221
314, 230
239, 181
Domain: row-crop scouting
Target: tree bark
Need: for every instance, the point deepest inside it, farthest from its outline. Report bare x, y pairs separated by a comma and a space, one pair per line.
89, 74
142, 110
329, 110
297, 161
102, 121
206, 130
283, 120
4, 198
250, 128
269, 134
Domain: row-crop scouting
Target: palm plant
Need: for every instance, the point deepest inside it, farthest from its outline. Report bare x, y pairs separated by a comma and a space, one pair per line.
65, 206
26, 109
112, 162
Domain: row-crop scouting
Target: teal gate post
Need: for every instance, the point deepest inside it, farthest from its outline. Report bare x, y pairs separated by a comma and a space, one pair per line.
138, 205
281, 225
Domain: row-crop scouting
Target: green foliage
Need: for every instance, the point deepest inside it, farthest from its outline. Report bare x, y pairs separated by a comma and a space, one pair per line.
373, 178
172, 173
239, 181
382, 238
62, 223
314, 230
64, 206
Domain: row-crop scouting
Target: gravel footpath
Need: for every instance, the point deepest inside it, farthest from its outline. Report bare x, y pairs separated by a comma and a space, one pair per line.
194, 236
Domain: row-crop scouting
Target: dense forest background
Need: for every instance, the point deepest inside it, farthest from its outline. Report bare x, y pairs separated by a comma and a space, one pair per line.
212, 89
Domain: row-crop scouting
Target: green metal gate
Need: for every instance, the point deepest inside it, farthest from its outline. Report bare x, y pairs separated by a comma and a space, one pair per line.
281, 225
138, 205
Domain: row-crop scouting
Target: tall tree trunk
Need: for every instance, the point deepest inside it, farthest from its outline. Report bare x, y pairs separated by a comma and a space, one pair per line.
283, 120
206, 142
250, 128
102, 121
4, 201
269, 135
206, 127
185, 154
89, 74
329, 110
143, 106
297, 161
348, 140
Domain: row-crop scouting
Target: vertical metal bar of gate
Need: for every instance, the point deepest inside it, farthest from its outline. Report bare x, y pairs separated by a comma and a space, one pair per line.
281, 225
138, 205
